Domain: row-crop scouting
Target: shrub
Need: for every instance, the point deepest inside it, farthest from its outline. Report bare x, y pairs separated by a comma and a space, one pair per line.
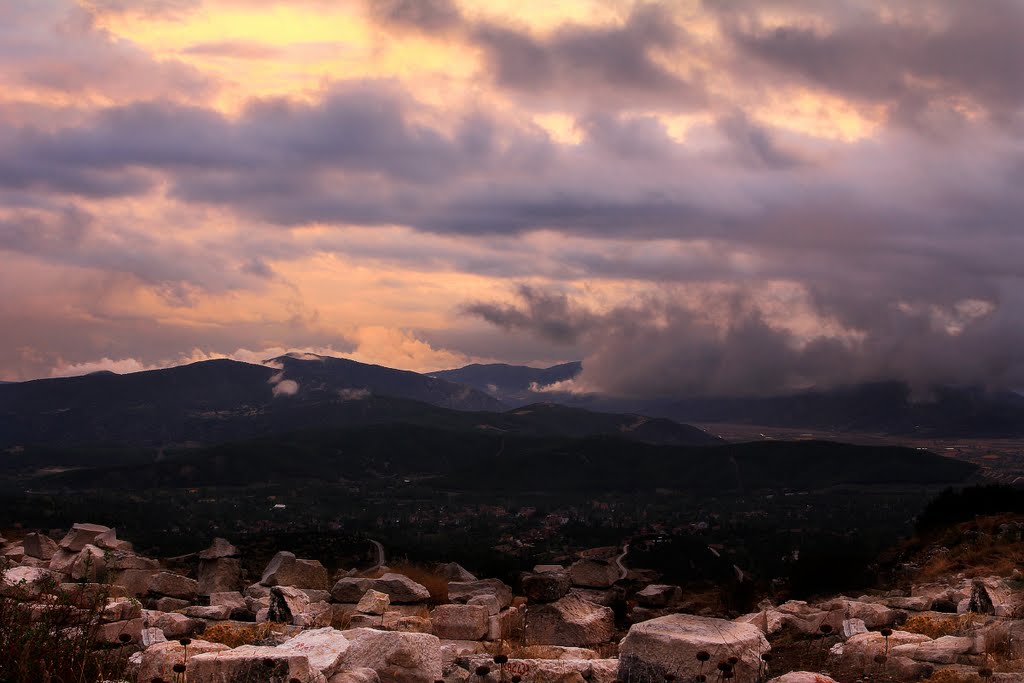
51, 635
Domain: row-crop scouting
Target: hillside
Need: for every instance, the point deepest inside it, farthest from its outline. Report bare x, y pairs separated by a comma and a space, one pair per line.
511, 383
483, 461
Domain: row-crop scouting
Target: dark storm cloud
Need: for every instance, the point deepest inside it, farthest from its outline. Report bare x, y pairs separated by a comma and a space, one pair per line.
598, 65
658, 347
552, 316
918, 57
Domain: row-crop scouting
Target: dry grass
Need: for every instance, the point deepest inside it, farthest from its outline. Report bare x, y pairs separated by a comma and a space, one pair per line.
234, 634
936, 627
948, 676
976, 549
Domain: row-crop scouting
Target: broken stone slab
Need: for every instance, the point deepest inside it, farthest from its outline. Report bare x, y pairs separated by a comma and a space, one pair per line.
593, 573
509, 624
219, 575
39, 546
28, 582
853, 627
802, 677
460, 622
284, 569
231, 599
659, 595
669, 645
208, 612
400, 589
373, 602
570, 621
453, 571
82, 535
90, 565
355, 676
325, 648
121, 609
250, 663
396, 657
488, 601
462, 591
159, 657
547, 586
174, 586
943, 650
219, 548
169, 604
152, 636
173, 625
553, 652
114, 632
862, 648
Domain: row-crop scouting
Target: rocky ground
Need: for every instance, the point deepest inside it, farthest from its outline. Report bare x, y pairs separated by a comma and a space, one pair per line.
195, 619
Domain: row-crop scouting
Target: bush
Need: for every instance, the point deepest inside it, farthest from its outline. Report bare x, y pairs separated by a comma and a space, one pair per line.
51, 635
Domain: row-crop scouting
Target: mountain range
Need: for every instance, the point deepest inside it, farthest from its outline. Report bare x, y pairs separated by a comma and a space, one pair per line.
224, 400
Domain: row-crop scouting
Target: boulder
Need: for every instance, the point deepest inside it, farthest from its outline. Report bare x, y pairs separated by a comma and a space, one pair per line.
325, 648
659, 595
509, 624
286, 603
460, 622
113, 632
669, 645
545, 586
82, 535
63, 559
943, 650
769, 621
233, 600
591, 573
570, 621
250, 663
993, 596
802, 677
853, 627
121, 609
90, 565
462, 591
553, 652
355, 676
400, 589
488, 601
862, 648
108, 541
208, 612
284, 569
173, 625
373, 602
39, 546
603, 671
534, 670
875, 616
219, 575
453, 571
174, 586
396, 657
166, 604
134, 581
152, 636
606, 596
218, 549
29, 582
159, 658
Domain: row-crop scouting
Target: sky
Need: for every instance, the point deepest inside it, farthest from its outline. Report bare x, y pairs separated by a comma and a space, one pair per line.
721, 197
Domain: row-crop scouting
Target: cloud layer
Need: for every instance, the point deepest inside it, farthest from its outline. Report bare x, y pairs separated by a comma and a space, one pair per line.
720, 197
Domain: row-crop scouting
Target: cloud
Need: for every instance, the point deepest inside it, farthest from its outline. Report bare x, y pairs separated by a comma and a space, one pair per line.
662, 347
286, 387
921, 59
